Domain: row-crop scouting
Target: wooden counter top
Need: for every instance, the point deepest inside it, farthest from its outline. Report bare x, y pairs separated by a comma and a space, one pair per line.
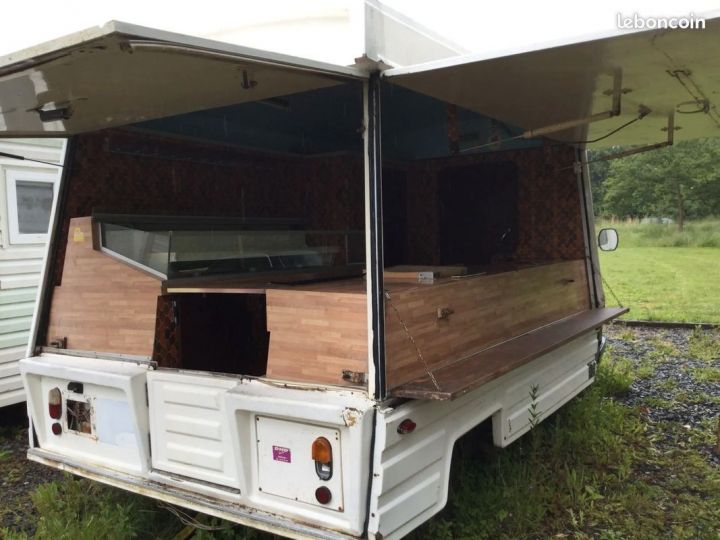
318, 281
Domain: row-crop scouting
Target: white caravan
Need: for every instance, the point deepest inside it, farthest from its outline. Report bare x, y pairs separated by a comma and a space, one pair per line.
29, 175
278, 291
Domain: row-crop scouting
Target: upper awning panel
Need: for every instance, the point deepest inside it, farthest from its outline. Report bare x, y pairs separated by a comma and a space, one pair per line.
666, 71
120, 74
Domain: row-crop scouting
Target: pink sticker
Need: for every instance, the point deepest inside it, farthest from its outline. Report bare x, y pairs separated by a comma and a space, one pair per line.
281, 453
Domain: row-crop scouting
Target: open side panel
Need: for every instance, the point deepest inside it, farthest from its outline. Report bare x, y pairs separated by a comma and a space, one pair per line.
666, 71
486, 268
120, 74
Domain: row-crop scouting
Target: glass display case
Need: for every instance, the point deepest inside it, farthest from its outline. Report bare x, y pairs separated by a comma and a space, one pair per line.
174, 247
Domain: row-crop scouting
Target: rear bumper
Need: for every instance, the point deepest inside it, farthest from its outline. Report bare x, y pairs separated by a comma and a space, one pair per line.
225, 510
206, 441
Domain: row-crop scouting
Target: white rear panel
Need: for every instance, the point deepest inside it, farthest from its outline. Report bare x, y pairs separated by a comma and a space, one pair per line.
113, 391
285, 465
190, 427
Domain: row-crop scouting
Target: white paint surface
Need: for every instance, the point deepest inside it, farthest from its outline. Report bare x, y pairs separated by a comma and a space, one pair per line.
319, 28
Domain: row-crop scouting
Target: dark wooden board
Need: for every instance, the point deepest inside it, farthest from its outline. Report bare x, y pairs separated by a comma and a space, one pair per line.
470, 373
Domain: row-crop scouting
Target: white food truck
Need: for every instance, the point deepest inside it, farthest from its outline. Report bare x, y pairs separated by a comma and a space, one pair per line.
278, 291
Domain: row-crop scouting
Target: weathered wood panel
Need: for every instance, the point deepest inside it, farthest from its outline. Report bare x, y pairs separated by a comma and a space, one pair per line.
315, 335
485, 310
102, 305
463, 376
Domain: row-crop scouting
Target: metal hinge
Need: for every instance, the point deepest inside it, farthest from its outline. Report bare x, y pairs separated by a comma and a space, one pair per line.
59, 343
592, 369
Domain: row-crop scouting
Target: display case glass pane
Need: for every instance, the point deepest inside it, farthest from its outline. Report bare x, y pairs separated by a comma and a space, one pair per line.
190, 248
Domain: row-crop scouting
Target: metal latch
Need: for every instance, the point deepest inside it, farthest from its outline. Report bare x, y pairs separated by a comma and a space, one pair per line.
59, 343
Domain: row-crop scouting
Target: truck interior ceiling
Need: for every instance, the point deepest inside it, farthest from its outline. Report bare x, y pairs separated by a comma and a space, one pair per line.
493, 232
189, 239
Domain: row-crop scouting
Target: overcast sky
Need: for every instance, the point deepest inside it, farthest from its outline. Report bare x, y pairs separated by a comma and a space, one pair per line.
477, 25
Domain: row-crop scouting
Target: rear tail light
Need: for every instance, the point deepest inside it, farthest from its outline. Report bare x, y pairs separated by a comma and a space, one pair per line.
322, 455
55, 403
56, 428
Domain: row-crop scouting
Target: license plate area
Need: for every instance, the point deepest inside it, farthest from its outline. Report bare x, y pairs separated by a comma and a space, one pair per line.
285, 464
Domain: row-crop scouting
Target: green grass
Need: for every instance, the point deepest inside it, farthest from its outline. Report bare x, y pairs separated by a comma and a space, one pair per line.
593, 470
702, 233
83, 510
664, 284
705, 345
78, 509
707, 374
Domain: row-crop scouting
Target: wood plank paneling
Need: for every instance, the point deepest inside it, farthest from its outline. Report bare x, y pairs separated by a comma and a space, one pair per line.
315, 335
465, 375
102, 305
485, 310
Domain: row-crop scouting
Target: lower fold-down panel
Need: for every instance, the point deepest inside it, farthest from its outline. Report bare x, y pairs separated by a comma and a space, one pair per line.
190, 427
458, 378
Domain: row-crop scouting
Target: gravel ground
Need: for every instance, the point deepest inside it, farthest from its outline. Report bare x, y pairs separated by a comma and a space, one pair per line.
667, 389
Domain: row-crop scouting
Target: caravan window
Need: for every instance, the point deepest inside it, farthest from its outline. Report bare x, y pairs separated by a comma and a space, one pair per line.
30, 199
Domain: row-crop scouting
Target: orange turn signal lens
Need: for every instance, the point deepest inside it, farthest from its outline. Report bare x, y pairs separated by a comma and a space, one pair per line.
322, 451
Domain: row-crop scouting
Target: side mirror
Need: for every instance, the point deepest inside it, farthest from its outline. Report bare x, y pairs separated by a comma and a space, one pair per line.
608, 239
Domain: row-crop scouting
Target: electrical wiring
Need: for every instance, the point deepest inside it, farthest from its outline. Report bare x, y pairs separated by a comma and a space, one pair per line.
643, 113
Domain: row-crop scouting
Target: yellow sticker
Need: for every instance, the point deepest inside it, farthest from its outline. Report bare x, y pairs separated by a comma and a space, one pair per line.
78, 235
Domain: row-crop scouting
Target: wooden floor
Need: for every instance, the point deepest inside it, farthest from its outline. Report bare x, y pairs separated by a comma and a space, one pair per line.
465, 375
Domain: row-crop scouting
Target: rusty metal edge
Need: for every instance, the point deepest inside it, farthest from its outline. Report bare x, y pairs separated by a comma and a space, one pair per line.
225, 510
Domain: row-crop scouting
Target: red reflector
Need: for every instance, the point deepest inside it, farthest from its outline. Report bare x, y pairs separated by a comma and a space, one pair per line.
55, 403
56, 428
323, 495
406, 426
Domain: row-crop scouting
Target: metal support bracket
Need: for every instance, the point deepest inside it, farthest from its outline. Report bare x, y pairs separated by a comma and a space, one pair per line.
647, 148
617, 92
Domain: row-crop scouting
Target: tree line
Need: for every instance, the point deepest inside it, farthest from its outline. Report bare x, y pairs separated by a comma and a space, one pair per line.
680, 182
